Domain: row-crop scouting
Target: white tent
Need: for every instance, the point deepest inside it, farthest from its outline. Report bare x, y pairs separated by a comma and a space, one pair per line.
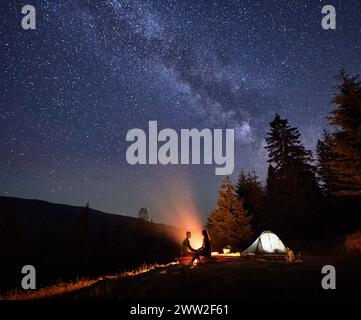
267, 242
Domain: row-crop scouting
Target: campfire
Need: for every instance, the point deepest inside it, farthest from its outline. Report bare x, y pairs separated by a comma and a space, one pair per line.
226, 253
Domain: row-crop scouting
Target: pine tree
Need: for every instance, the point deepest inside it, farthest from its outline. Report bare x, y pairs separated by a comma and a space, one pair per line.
250, 190
270, 178
284, 146
327, 177
292, 188
228, 223
347, 139
143, 214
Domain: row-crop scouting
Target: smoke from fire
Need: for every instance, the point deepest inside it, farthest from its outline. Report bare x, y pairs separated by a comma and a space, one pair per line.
176, 206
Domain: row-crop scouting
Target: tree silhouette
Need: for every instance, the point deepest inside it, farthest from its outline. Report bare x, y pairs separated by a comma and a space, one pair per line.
143, 214
346, 147
292, 188
228, 223
327, 177
250, 190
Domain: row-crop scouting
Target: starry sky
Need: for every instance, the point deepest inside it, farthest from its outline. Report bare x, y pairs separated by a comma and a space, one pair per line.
92, 70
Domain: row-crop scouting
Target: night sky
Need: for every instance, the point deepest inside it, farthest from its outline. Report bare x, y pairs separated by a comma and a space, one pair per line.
92, 70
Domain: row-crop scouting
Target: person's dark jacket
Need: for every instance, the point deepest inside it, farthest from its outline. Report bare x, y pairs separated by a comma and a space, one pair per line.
186, 247
206, 247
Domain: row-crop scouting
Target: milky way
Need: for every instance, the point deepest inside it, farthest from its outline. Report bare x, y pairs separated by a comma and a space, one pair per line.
92, 70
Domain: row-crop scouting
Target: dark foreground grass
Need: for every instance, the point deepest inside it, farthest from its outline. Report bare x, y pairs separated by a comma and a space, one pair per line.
231, 280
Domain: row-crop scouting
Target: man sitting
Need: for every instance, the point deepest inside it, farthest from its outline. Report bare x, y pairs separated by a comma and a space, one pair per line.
186, 246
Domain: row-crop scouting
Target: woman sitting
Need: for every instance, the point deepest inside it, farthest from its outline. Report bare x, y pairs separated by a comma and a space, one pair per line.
205, 250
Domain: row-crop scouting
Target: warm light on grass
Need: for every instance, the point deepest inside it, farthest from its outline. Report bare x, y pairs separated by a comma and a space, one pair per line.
65, 287
229, 254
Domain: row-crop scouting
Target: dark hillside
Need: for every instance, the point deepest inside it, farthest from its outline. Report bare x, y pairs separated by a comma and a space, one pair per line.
63, 241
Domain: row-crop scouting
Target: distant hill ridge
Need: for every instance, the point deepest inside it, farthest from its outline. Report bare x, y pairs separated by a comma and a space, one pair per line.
66, 242
40, 213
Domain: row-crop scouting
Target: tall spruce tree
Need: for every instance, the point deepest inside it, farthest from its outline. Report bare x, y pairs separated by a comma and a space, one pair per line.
284, 146
327, 177
228, 223
250, 190
292, 188
346, 163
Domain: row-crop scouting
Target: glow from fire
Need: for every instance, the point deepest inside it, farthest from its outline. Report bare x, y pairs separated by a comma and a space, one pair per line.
177, 207
184, 215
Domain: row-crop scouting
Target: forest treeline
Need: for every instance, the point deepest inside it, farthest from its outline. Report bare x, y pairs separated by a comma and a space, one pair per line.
306, 195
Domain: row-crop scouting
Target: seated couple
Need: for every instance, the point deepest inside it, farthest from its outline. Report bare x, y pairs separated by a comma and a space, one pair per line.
204, 251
